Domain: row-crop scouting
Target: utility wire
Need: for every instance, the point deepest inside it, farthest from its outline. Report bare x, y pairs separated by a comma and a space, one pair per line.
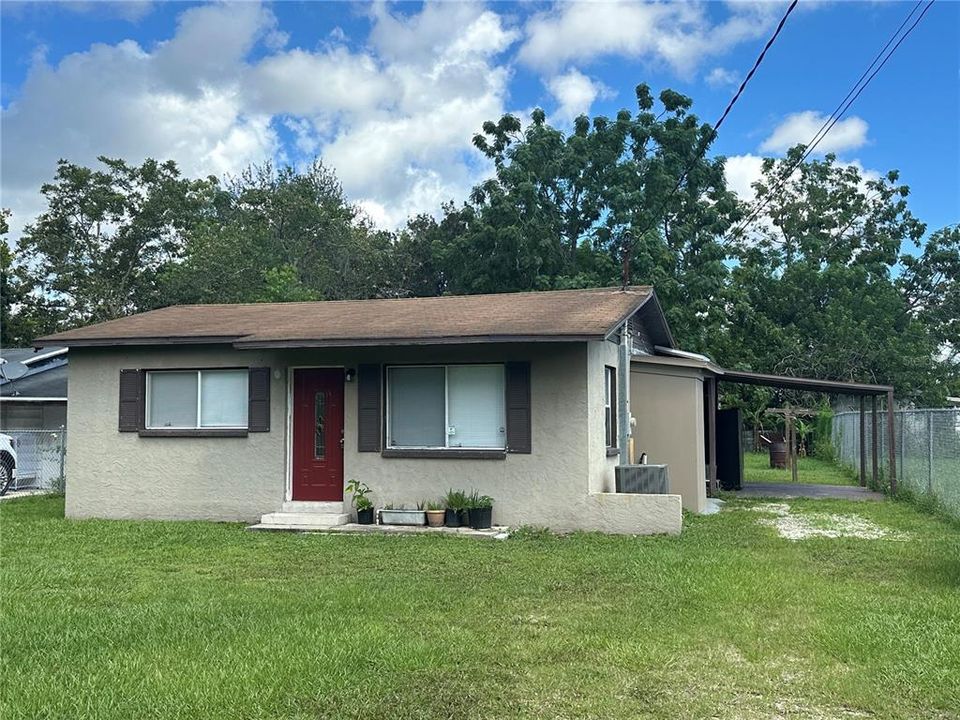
753, 70
705, 143
839, 111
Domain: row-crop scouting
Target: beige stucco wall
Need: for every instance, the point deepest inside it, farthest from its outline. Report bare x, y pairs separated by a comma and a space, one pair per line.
121, 475
113, 474
667, 403
601, 468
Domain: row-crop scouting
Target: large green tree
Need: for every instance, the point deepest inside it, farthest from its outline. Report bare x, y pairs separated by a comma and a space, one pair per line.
95, 253
823, 287
281, 234
564, 209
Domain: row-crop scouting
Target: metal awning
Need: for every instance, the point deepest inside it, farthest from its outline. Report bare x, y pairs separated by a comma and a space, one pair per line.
796, 383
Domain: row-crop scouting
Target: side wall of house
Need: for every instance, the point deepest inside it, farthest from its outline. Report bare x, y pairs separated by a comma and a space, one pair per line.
602, 467
667, 403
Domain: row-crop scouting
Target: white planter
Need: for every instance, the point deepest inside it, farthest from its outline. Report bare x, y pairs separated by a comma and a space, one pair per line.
403, 517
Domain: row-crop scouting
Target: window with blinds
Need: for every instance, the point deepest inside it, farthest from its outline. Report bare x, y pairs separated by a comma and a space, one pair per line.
446, 406
195, 399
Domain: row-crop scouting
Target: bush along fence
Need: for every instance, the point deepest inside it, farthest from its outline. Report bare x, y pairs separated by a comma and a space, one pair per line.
41, 456
926, 450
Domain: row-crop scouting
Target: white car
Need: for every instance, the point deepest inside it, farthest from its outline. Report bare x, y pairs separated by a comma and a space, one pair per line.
8, 462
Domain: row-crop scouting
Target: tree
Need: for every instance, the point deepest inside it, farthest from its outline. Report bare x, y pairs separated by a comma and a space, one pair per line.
95, 252
18, 324
280, 234
815, 290
562, 208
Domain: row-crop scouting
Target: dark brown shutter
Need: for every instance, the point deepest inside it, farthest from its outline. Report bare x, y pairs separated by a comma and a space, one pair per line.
519, 437
258, 400
131, 400
368, 408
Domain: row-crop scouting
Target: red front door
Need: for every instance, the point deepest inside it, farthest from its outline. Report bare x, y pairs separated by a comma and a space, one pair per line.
318, 434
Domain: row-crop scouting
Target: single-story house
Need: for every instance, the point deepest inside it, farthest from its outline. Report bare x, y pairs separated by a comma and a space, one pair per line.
234, 412
33, 388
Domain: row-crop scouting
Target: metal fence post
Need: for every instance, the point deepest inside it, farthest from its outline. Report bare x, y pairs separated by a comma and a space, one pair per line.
929, 451
63, 451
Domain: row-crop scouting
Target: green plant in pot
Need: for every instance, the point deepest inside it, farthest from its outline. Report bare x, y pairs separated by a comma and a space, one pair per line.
364, 505
455, 502
435, 514
481, 510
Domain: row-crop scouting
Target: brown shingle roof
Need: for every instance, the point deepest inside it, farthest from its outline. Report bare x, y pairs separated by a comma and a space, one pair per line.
530, 316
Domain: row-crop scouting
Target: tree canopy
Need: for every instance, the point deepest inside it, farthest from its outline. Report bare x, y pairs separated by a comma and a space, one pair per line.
828, 278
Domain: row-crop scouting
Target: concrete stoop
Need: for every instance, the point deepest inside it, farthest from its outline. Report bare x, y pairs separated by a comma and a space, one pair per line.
305, 515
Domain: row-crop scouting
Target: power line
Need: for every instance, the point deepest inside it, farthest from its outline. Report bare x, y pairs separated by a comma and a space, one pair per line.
713, 131
839, 111
753, 70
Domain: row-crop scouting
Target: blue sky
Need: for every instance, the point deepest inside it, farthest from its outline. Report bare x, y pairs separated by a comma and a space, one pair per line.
390, 94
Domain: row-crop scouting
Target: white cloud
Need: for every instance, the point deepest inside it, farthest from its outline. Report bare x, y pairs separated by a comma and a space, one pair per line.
721, 77
800, 128
575, 93
394, 120
680, 35
742, 171
304, 83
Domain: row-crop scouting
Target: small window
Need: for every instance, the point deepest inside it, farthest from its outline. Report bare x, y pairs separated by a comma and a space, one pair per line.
610, 406
439, 406
196, 399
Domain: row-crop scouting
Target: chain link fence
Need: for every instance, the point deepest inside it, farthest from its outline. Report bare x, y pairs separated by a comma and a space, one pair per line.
926, 445
40, 459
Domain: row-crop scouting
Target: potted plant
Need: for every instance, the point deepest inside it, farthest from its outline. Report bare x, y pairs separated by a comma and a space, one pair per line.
400, 515
435, 514
455, 502
361, 502
481, 510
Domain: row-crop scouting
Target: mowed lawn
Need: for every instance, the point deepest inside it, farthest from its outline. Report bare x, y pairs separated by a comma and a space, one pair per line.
810, 471
113, 620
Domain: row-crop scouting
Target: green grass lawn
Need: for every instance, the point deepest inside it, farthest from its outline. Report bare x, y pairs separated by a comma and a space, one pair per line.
810, 471
112, 620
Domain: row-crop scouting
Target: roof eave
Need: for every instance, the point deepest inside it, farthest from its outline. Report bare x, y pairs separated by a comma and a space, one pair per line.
124, 341
390, 342
640, 305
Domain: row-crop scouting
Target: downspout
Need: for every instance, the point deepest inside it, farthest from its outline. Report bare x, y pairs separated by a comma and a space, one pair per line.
623, 395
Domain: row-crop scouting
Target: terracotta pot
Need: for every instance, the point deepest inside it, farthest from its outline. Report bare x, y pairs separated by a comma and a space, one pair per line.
435, 518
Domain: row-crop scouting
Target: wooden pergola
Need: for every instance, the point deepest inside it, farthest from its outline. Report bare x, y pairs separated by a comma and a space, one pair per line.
861, 390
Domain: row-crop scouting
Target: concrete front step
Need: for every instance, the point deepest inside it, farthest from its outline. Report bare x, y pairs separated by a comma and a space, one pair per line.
304, 519
302, 506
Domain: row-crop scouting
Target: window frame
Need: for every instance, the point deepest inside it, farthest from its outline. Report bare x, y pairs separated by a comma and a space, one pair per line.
197, 429
446, 450
610, 408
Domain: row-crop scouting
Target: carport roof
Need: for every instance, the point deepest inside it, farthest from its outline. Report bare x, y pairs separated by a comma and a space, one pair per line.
798, 383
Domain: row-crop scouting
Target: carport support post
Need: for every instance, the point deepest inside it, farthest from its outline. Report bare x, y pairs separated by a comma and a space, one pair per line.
863, 441
874, 439
891, 448
792, 445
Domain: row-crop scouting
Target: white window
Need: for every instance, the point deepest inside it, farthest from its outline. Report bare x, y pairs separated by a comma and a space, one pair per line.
196, 399
610, 406
446, 406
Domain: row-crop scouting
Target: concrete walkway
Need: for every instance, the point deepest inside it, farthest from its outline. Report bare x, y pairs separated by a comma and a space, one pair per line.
798, 490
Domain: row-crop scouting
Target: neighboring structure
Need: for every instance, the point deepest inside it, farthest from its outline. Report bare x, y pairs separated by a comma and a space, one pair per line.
33, 388
231, 412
